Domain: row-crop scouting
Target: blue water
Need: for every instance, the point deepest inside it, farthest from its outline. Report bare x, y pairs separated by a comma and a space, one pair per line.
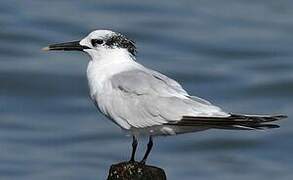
236, 53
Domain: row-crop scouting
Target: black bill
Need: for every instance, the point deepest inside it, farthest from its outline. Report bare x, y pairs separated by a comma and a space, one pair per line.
68, 46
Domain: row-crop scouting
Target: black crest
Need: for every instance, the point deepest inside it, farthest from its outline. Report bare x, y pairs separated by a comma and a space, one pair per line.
121, 41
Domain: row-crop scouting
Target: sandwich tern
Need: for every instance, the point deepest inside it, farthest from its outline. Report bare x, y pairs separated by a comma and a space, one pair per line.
145, 102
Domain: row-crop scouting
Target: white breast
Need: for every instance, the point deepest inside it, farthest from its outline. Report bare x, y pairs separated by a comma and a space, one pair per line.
99, 72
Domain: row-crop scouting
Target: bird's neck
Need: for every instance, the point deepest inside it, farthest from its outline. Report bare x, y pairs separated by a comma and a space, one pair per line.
106, 64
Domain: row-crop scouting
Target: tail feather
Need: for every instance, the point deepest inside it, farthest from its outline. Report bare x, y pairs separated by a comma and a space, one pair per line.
234, 121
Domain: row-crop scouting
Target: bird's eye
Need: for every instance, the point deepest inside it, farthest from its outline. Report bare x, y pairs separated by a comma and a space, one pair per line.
95, 42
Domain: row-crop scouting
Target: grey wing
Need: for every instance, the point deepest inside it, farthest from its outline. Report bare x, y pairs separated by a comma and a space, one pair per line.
176, 86
145, 98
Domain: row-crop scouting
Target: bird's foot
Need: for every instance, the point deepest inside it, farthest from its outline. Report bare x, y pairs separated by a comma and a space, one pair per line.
131, 161
142, 162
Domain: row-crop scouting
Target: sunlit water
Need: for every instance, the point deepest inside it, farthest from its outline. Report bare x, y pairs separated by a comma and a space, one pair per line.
238, 54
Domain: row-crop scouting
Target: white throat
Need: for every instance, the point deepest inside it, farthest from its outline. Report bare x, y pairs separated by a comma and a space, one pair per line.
108, 55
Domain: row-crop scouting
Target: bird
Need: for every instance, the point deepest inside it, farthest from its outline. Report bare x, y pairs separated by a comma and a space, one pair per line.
145, 102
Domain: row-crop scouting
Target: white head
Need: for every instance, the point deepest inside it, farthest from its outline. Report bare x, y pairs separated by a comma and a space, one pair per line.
99, 44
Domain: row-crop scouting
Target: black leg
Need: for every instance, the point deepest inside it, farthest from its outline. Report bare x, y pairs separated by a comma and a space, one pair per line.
150, 146
134, 146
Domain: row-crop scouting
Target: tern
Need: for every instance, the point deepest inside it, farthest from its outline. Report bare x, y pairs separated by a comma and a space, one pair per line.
145, 102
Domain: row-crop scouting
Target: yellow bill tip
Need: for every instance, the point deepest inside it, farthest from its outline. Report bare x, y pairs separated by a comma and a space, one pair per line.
46, 48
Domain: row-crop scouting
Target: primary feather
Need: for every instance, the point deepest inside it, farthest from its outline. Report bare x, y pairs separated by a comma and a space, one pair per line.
234, 121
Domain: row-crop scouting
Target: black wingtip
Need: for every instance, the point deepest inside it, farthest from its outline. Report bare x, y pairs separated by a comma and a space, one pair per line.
235, 121
266, 126
281, 116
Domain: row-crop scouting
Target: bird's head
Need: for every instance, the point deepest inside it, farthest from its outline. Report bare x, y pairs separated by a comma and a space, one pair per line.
97, 44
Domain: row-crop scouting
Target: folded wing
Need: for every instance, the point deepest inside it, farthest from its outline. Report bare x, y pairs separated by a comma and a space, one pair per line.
144, 98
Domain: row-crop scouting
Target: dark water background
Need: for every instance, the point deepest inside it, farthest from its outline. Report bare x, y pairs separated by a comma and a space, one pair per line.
236, 53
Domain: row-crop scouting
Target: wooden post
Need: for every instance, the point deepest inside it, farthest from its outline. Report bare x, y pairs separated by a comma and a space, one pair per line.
135, 171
